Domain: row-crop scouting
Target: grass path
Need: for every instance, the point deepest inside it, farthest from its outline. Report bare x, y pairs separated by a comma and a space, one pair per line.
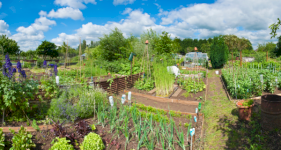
217, 108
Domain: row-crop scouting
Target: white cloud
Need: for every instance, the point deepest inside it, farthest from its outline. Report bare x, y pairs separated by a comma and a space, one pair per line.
225, 16
127, 11
135, 23
4, 28
43, 13
67, 12
0, 4
74, 3
30, 37
123, 2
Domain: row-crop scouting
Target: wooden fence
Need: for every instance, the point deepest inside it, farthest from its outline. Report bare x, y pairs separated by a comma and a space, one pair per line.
119, 83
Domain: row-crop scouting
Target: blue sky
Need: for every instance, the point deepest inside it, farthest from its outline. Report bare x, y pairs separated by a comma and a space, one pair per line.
31, 21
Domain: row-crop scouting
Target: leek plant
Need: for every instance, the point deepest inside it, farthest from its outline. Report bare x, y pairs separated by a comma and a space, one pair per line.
126, 131
143, 137
181, 138
164, 79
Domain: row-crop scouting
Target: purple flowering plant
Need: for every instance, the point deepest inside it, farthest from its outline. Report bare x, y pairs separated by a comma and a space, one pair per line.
17, 94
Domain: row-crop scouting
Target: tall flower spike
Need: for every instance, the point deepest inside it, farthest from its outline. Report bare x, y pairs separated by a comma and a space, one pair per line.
45, 63
56, 69
23, 74
19, 67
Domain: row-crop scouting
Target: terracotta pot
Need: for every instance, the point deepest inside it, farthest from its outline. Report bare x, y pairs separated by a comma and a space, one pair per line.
245, 112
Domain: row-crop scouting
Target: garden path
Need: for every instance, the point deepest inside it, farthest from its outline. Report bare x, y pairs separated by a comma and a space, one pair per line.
219, 112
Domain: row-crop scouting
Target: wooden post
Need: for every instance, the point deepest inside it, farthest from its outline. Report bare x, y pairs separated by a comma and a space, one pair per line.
240, 58
80, 55
131, 75
193, 140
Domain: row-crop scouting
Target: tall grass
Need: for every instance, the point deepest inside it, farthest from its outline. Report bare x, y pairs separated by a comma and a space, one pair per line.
164, 79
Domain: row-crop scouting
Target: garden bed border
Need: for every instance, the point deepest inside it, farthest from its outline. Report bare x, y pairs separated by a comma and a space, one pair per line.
229, 97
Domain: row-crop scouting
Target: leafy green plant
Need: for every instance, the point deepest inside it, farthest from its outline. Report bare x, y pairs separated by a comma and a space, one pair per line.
144, 84
50, 87
35, 126
219, 52
2, 139
21, 140
93, 127
92, 141
61, 144
191, 85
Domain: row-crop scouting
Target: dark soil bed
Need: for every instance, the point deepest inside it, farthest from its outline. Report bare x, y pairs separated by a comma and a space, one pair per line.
166, 106
44, 138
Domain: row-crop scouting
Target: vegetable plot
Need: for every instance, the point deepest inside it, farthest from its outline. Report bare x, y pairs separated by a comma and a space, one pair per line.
247, 82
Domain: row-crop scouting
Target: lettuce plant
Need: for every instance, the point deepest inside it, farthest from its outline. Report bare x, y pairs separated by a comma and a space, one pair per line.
61, 144
21, 140
92, 141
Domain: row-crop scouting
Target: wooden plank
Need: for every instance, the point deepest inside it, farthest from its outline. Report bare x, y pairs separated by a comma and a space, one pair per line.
166, 100
152, 91
177, 92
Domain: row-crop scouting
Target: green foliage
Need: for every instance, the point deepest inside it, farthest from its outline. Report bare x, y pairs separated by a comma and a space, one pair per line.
21, 140
248, 102
164, 44
50, 87
47, 48
2, 139
278, 47
75, 102
14, 96
93, 127
114, 46
27, 65
92, 141
247, 82
219, 52
144, 84
274, 27
192, 85
126, 69
35, 126
61, 144
9, 46
164, 79
193, 72
267, 47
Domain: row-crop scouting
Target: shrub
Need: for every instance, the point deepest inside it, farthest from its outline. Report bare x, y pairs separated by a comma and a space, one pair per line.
260, 57
219, 53
61, 144
40, 63
27, 65
21, 140
2, 139
76, 102
92, 141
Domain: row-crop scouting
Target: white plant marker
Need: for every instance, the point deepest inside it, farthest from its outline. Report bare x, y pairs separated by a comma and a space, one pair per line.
195, 119
111, 101
57, 80
192, 132
196, 110
129, 96
123, 99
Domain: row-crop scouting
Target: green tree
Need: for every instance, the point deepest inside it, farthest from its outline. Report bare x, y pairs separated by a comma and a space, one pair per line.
219, 52
163, 45
274, 27
83, 46
278, 47
206, 48
176, 46
111, 45
8, 46
268, 47
47, 48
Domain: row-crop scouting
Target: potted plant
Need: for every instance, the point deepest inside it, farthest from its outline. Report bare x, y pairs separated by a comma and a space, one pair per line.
245, 109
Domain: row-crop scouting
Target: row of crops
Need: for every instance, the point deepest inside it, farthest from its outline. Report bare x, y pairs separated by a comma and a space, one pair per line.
251, 81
